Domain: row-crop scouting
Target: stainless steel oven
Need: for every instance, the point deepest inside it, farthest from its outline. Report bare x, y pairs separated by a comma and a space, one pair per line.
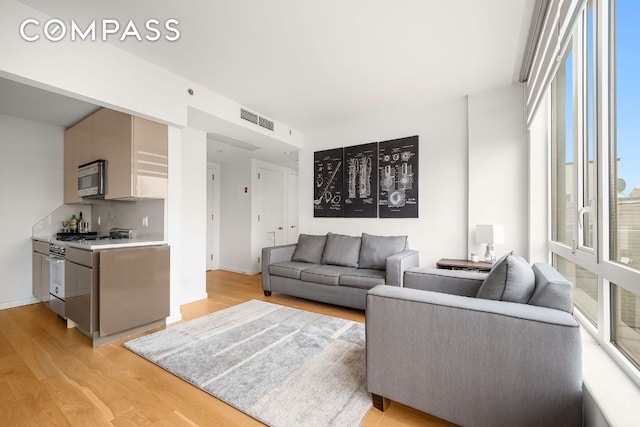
56, 278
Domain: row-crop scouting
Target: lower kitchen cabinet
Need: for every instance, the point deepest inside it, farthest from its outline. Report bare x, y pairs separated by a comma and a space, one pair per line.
40, 271
81, 281
112, 292
134, 287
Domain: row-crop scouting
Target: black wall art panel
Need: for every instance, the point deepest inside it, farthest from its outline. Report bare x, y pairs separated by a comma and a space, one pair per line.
398, 177
361, 181
328, 166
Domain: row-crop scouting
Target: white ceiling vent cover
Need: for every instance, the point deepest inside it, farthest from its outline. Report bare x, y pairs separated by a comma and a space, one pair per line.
255, 119
267, 124
248, 116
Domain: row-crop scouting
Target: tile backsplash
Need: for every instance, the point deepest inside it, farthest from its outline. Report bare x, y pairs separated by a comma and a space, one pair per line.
145, 217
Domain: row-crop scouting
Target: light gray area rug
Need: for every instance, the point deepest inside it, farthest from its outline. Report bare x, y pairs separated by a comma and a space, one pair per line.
281, 366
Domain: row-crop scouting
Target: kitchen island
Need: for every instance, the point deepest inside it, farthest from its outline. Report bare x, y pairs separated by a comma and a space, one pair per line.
108, 288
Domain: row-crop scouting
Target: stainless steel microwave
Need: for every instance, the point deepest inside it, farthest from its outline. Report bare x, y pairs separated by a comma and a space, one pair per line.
91, 180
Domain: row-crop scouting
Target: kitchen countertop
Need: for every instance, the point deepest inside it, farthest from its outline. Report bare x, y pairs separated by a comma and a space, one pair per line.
92, 245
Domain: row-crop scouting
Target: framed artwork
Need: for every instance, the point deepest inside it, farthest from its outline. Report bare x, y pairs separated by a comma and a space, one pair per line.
361, 181
398, 178
328, 166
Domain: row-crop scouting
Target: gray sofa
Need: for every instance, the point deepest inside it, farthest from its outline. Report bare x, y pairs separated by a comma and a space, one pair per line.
335, 268
476, 354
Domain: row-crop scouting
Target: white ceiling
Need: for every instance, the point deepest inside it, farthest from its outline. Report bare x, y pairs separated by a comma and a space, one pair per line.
311, 64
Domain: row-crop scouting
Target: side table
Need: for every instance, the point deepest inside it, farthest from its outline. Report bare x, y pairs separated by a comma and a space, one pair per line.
463, 264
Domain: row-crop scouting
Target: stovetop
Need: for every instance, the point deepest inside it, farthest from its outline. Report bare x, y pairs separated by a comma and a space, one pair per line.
72, 237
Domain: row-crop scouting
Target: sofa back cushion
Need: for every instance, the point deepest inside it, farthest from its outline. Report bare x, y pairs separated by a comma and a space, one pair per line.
341, 250
310, 248
510, 279
375, 250
552, 289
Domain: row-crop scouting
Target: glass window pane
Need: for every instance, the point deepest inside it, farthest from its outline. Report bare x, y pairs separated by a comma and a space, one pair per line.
585, 293
562, 140
626, 322
625, 135
589, 227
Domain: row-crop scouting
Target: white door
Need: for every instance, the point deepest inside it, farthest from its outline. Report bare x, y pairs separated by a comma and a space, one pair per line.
271, 214
292, 204
213, 217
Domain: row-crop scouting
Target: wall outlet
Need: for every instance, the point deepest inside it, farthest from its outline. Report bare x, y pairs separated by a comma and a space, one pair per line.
145, 221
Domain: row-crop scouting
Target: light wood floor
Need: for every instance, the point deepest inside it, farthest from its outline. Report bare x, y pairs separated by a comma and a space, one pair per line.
50, 375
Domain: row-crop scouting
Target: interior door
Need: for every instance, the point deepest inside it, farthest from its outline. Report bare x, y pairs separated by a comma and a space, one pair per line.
292, 208
271, 213
213, 217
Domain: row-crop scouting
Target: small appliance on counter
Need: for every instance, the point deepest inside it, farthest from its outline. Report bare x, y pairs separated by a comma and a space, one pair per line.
121, 233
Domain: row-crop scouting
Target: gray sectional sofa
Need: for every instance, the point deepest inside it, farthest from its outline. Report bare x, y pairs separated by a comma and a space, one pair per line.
477, 349
336, 268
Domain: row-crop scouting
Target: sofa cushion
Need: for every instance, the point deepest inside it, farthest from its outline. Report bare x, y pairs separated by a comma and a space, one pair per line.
510, 279
552, 289
375, 250
291, 269
341, 250
324, 274
363, 278
310, 248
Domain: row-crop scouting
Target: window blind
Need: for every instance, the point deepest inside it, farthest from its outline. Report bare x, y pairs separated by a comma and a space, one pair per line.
555, 35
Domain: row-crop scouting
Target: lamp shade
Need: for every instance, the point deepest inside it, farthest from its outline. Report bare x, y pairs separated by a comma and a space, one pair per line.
489, 233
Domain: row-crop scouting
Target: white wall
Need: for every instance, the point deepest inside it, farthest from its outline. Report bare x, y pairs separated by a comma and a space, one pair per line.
193, 223
473, 169
186, 217
498, 167
30, 188
539, 186
441, 229
235, 216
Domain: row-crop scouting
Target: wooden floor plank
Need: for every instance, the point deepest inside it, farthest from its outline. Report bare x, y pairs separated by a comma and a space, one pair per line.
51, 375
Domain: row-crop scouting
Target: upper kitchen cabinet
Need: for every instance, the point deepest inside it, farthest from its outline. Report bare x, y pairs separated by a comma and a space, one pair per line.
135, 150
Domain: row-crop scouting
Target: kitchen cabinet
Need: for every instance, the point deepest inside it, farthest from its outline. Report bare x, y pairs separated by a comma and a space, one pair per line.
134, 287
71, 163
113, 293
81, 281
40, 266
135, 150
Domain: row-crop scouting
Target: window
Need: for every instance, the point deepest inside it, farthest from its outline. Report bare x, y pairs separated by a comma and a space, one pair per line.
595, 174
625, 134
563, 165
585, 294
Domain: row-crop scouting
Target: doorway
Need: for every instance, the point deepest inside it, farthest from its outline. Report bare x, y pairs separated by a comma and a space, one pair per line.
213, 216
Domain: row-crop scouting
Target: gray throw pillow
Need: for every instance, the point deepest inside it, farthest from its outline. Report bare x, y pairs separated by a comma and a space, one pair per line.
310, 248
341, 250
510, 279
376, 249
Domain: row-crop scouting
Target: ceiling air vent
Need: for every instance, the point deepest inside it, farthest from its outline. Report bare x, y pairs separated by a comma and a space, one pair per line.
267, 124
255, 119
248, 116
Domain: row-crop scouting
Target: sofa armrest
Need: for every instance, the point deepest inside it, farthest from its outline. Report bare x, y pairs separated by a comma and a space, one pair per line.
398, 263
474, 361
456, 282
273, 255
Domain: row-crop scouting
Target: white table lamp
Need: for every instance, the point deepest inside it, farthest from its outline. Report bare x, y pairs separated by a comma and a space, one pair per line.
489, 234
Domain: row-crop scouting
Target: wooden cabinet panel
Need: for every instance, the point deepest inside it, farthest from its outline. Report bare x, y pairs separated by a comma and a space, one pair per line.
150, 158
71, 162
40, 278
134, 287
135, 151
